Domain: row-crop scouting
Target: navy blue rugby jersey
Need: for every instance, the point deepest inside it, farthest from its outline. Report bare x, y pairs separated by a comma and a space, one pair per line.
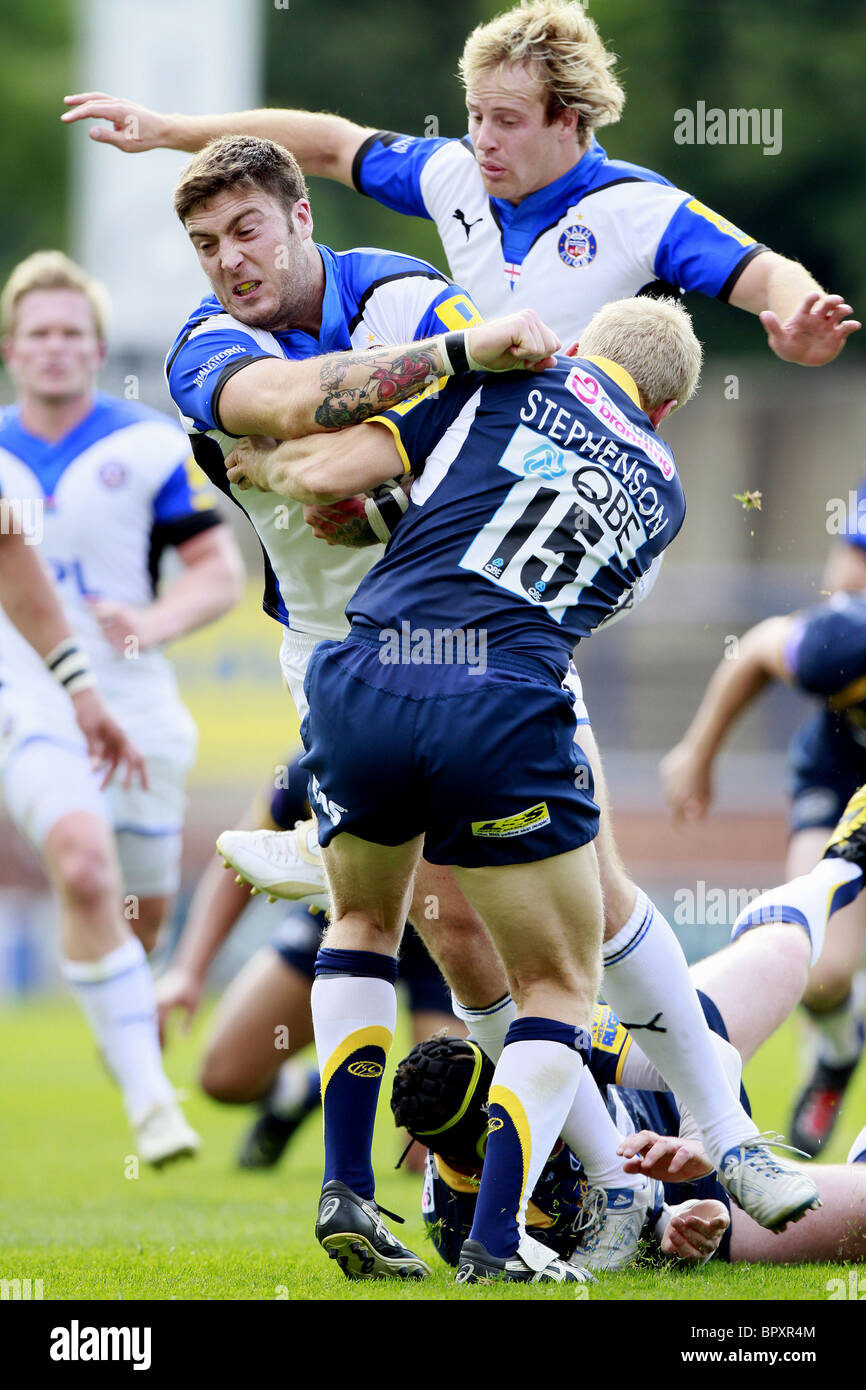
543, 500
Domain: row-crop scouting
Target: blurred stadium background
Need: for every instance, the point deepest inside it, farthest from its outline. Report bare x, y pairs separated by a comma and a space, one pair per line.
796, 436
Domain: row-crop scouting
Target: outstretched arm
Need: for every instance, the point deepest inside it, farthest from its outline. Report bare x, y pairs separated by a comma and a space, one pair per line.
803, 323
285, 400
322, 144
686, 771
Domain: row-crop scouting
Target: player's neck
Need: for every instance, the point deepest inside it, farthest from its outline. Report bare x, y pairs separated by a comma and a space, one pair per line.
569, 161
51, 420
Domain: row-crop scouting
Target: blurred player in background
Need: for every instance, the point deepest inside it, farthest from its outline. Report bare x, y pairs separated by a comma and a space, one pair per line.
821, 652
532, 212
111, 483
264, 1018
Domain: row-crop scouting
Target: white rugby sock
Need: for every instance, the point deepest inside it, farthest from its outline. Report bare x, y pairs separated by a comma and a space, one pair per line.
289, 1090
590, 1133
808, 901
116, 996
646, 981
488, 1026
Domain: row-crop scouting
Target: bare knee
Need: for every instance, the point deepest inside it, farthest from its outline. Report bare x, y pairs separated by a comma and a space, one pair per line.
829, 986
225, 1078
82, 866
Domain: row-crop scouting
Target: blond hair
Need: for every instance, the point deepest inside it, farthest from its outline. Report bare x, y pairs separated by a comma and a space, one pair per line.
230, 161
560, 44
653, 339
52, 270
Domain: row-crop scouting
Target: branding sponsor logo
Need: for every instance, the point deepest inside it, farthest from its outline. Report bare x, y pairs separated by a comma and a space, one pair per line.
113, 475
495, 1124
366, 1069
577, 246
217, 360
545, 462
531, 819
590, 392
77, 1343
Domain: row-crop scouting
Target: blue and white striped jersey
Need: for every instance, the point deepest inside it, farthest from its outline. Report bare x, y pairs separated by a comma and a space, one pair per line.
372, 298
605, 230
542, 501
103, 502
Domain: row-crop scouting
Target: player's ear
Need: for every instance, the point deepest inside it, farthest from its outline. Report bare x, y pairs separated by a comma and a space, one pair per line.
302, 218
660, 412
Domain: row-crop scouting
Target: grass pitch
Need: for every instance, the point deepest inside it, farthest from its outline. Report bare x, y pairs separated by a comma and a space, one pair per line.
76, 1212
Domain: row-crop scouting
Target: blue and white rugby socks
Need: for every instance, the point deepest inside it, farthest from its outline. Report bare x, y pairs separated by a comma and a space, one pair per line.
354, 1006
646, 981
808, 901
530, 1095
116, 996
588, 1130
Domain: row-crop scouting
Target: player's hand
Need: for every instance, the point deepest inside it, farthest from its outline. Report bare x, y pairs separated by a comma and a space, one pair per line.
518, 340
815, 333
107, 744
687, 783
664, 1156
178, 988
695, 1229
132, 128
127, 629
341, 523
247, 464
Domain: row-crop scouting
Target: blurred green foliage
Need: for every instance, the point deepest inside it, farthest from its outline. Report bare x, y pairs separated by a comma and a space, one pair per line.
393, 64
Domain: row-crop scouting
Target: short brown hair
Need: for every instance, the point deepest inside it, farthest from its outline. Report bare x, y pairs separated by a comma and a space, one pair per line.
653, 339
560, 44
235, 160
52, 270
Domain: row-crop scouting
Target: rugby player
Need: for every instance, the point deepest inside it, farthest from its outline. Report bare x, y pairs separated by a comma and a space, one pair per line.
532, 212
508, 524
821, 652
234, 371
112, 484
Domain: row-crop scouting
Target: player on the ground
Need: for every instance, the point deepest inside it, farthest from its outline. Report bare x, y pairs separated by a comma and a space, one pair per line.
532, 212
441, 1089
821, 652
110, 484
536, 511
264, 1017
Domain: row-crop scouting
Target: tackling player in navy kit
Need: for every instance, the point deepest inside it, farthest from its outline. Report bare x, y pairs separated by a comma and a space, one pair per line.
535, 513
821, 652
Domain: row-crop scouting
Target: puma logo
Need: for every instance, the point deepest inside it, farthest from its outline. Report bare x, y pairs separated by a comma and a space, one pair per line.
651, 1027
461, 218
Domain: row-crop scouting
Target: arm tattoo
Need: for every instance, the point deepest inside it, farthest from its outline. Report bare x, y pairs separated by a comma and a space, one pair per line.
392, 379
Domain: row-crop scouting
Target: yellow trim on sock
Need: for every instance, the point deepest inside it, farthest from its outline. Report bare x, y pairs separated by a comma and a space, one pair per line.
375, 1036
513, 1107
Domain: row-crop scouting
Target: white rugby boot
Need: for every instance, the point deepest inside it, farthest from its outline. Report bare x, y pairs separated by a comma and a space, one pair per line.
533, 1263
281, 863
162, 1134
773, 1193
612, 1224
